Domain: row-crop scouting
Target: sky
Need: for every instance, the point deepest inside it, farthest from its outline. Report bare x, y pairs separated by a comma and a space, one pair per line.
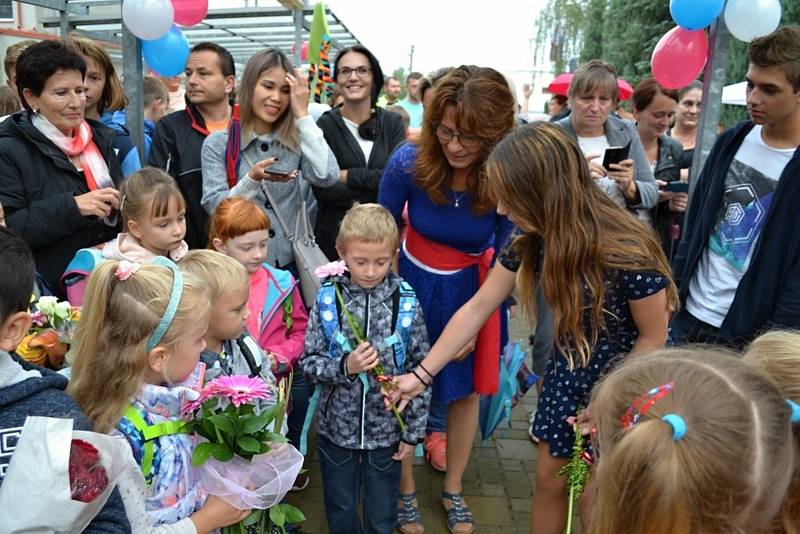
496, 33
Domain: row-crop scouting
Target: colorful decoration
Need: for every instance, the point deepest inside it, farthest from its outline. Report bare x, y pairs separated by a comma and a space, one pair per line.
678, 57
148, 19
748, 19
168, 55
695, 14
190, 12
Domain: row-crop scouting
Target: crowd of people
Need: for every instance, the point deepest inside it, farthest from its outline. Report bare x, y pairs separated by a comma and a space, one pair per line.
439, 212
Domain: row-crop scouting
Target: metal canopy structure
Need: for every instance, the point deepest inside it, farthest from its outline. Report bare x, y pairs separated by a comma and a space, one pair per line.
242, 30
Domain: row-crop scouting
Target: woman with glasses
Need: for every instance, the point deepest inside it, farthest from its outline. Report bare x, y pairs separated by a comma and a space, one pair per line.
361, 135
453, 227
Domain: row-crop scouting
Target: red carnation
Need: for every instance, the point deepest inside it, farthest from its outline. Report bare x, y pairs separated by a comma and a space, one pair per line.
87, 476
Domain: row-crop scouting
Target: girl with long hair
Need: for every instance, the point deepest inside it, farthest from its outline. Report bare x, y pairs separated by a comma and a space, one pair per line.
601, 272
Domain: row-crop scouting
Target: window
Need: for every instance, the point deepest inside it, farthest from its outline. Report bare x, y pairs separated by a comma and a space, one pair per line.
6, 10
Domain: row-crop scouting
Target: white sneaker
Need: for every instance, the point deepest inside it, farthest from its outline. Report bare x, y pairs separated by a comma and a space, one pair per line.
530, 427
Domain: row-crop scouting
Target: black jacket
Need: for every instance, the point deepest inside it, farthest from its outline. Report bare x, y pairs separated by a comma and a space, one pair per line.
363, 177
38, 184
768, 295
176, 149
667, 170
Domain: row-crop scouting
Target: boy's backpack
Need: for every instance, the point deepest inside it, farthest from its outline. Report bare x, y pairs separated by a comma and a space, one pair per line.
404, 305
144, 434
77, 272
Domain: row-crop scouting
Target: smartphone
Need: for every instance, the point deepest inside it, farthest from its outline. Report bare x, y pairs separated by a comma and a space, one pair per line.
281, 173
677, 187
615, 154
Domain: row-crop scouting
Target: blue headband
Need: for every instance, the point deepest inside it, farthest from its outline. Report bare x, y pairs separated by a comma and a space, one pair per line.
795, 408
678, 425
172, 305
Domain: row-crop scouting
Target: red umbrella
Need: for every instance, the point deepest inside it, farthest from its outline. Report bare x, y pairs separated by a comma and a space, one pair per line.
560, 86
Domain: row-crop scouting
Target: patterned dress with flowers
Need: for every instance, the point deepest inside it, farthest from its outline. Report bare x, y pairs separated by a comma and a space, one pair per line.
172, 493
566, 388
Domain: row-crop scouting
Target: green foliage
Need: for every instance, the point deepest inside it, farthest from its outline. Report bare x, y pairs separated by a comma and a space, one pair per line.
400, 74
560, 28
593, 30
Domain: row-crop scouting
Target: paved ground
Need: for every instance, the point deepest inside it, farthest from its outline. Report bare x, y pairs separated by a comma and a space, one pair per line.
498, 482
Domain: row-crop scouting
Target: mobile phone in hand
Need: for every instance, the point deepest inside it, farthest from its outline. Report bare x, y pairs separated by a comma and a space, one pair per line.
615, 154
677, 187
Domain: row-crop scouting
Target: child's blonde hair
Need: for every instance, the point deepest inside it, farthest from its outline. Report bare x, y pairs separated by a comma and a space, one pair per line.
219, 273
371, 223
117, 320
148, 193
728, 473
778, 354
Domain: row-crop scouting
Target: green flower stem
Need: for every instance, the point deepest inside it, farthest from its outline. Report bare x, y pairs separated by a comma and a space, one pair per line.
378, 369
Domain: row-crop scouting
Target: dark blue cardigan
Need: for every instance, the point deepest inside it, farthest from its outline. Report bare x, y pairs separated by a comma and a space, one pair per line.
768, 295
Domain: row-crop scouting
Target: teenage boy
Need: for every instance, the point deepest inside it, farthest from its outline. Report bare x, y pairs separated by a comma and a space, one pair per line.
739, 264
210, 78
28, 390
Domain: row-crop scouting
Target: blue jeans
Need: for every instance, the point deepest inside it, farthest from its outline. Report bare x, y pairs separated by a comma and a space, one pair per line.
351, 477
299, 395
686, 328
437, 416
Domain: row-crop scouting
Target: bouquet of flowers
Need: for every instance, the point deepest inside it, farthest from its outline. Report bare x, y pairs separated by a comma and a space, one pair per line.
336, 268
54, 324
64, 478
241, 458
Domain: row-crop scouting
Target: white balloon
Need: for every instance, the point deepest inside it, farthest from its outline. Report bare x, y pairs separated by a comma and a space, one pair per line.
748, 19
148, 19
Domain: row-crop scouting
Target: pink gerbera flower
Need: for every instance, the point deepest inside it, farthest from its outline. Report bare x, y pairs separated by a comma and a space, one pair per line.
334, 268
239, 389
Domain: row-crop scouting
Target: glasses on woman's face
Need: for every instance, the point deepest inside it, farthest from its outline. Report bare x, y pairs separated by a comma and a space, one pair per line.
346, 72
446, 135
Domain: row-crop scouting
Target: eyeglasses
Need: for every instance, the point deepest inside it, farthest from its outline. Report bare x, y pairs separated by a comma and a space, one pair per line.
345, 72
446, 135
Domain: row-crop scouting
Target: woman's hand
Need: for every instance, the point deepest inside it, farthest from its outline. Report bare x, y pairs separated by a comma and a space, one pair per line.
623, 174
678, 202
596, 170
407, 387
298, 97
260, 171
98, 203
215, 514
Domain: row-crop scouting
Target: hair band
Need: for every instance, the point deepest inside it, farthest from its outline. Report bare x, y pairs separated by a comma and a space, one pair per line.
426, 371
172, 305
641, 405
678, 425
414, 372
795, 408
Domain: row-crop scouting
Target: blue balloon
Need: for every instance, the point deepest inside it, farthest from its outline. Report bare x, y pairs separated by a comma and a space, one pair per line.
695, 14
167, 55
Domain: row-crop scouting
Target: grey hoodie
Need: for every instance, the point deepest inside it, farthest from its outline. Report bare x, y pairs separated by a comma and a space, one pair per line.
342, 405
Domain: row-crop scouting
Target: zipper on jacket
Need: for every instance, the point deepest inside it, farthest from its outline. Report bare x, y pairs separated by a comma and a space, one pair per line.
363, 385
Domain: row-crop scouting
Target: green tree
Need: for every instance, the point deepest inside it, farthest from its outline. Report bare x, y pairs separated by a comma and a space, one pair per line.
400, 74
592, 47
559, 33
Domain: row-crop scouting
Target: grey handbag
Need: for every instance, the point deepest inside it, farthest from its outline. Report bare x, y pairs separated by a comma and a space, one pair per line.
307, 254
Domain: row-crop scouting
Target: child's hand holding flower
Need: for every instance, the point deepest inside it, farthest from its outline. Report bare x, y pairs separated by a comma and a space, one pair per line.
363, 358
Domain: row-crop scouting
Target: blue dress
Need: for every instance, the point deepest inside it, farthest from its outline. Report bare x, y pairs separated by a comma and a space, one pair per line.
440, 295
565, 390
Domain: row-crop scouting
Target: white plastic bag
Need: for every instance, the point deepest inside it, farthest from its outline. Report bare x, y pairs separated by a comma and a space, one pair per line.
37, 486
257, 484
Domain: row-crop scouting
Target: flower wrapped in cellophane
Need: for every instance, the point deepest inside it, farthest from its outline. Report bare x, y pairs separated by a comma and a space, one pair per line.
58, 479
240, 457
52, 329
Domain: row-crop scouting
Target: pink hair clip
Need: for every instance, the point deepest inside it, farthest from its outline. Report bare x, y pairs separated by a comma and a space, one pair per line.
126, 269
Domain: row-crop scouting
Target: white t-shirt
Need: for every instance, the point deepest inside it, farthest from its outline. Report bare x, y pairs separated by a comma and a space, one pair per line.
366, 146
749, 188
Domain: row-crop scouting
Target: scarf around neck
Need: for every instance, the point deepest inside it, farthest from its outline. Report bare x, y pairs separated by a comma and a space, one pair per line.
80, 146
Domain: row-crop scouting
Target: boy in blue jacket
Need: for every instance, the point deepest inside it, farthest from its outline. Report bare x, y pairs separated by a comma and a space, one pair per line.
28, 390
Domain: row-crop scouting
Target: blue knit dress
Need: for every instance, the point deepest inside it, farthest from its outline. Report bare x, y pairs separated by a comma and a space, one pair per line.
440, 295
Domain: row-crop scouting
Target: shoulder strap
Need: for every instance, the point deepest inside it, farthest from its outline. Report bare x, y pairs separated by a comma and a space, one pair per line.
330, 311
404, 304
150, 433
277, 210
249, 347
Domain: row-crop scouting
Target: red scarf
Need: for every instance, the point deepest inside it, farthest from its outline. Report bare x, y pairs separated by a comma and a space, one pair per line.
486, 364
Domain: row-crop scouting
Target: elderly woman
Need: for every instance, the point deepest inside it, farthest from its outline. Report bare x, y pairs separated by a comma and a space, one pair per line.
361, 136
58, 172
593, 94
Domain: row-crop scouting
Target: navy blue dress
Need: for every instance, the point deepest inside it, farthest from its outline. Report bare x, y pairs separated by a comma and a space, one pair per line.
440, 294
565, 389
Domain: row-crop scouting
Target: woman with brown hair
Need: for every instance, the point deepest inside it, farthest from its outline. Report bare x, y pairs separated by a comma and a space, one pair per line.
453, 229
104, 97
601, 272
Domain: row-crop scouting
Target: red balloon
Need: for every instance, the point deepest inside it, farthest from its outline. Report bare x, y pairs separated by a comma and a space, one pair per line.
190, 12
679, 57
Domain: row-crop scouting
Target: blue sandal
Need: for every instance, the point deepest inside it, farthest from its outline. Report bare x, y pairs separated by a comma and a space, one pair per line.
409, 514
459, 514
